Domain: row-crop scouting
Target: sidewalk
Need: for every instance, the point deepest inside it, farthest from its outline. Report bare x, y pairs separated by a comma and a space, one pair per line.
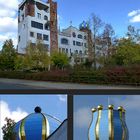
59, 85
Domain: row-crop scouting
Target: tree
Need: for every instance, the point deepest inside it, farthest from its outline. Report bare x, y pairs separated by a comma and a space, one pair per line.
7, 56
133, 34
7, 129
19, 62
37, 57
96, 24
107, 35
127, 53
59, 59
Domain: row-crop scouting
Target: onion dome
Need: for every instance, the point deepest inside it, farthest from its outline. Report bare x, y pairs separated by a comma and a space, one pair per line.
108, 124
84, 25
36, 126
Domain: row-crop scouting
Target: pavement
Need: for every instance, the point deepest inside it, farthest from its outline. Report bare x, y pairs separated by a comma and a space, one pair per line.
30, 84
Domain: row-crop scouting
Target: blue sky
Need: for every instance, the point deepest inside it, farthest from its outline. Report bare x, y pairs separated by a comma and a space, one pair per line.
114, 12
17, 107
119, 13
50, 104
84, 103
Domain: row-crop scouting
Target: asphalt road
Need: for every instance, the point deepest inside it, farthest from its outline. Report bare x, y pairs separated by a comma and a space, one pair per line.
8, 86
29, 84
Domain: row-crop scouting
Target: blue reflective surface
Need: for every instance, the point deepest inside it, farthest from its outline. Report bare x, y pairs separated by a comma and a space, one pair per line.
118, 130
33, 127
92, 127
104, 126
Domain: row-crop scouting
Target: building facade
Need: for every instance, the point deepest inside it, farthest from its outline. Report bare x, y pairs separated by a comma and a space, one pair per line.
37, 21
108, 124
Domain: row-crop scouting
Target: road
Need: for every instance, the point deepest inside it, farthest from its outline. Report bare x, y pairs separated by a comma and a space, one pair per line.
8, 86
29, 84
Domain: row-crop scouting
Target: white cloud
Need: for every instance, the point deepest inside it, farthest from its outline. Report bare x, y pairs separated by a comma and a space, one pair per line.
11, 4
8, 20
7, 13
134, 16
82, 117
131, 102
5, 111
62, 98
8, 25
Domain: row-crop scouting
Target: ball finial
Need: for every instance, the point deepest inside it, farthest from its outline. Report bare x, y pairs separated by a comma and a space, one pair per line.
37, 109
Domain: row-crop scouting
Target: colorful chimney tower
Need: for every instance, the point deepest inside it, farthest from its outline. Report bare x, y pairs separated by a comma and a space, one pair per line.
108, 124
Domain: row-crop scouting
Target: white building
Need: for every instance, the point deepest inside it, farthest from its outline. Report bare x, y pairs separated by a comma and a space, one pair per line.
73, 42
33, 24
37, 20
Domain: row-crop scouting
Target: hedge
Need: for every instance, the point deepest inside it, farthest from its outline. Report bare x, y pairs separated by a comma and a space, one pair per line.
116, 75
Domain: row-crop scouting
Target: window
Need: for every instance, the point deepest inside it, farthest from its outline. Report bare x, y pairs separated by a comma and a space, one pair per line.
24, 26
85, 37
18, 38
37, 25
47, 26
39, 15
74, 34
45, 37
39, 36
63, 49
80, 36
76, 51
45, 18
66, 50
80, 52
85, 44
78, 43
32, 34
22, 17
74, 43
64, 41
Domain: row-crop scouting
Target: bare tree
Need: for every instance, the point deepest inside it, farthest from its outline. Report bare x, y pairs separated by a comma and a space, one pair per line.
133, 34
96, 24
108, 36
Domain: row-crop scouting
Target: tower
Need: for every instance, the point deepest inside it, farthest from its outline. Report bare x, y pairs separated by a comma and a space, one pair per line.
53, 26
37, 20
84, 26
108, 124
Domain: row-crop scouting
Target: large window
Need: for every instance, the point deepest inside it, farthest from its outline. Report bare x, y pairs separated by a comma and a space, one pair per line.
37, 25
64, 41
39, 36
45, 37
80, 36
